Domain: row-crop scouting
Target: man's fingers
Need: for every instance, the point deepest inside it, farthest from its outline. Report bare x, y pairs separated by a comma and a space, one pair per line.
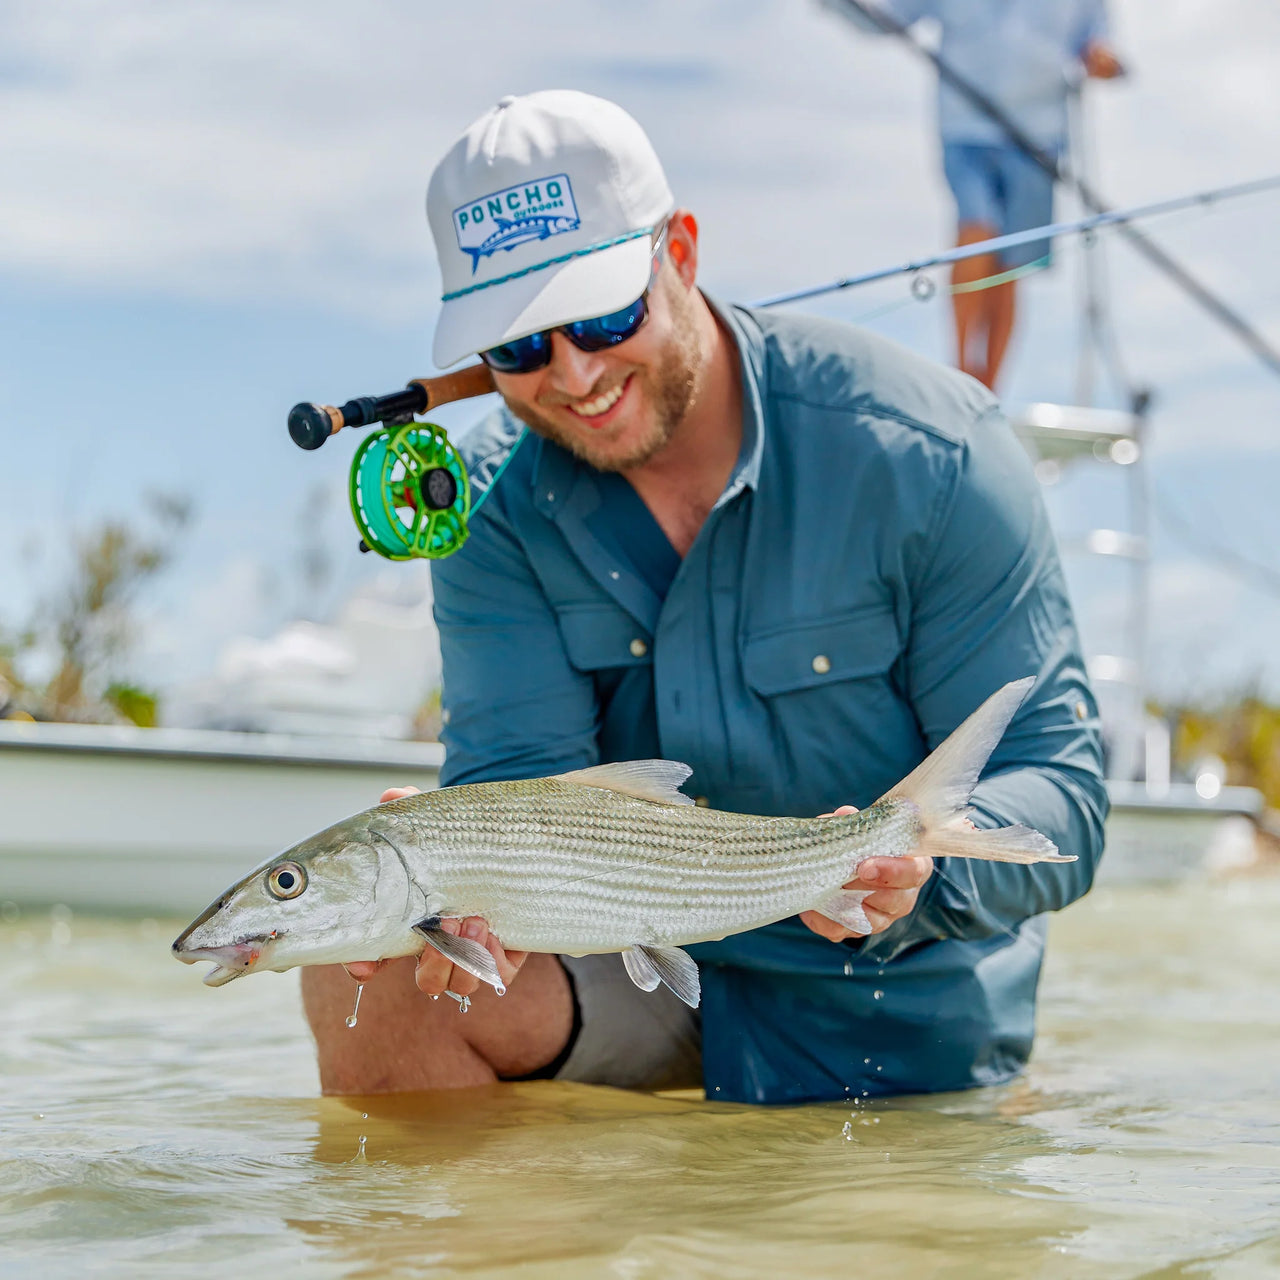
825, 927
892, 873
398, 793
892, 904
508, 962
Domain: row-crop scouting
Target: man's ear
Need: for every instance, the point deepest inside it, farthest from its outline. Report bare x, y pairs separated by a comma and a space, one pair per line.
682, 245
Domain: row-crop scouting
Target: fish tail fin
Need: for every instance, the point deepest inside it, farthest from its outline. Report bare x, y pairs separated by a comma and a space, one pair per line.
940, 787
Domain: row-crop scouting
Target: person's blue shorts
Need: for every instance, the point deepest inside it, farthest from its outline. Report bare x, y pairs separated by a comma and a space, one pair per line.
1004, 188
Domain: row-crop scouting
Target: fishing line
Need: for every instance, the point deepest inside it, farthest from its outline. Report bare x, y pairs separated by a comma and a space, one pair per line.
1050, 231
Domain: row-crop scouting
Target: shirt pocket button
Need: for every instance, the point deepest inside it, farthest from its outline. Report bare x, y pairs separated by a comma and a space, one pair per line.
638, 648
821, 664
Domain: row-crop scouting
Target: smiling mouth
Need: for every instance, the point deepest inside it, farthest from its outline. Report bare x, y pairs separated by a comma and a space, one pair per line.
599, 406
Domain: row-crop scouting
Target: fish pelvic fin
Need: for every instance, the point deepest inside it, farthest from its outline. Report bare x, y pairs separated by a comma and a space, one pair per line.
844, 906
466, 953
647, 966
940, 787
657, 780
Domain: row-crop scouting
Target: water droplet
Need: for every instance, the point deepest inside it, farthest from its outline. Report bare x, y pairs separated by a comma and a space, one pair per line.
886, 1155
717, 1088
364, 1115
847, 1131
879, 973
875, 1119
866, 1093
866, 1062
499, 989
848, 968
877, 994
361, 1158
879, 1068
353, 1016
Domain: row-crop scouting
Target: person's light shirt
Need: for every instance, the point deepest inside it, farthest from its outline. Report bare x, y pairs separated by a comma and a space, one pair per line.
1023, 54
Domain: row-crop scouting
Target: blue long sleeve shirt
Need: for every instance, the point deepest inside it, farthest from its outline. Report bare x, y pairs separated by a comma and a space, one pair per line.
878, 563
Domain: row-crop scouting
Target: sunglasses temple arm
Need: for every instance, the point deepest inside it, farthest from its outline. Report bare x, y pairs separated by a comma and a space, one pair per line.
310, 425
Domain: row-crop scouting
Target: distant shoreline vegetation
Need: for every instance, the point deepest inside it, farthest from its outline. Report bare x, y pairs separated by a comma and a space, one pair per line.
82, 631
1242, 729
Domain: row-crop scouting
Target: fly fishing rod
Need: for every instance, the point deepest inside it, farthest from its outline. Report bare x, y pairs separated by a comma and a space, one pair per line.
411, 494
874, 16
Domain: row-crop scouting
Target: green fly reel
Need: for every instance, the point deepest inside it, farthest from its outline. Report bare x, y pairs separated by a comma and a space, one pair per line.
410, 493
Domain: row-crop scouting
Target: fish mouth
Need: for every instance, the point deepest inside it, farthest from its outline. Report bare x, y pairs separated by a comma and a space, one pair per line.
230, 961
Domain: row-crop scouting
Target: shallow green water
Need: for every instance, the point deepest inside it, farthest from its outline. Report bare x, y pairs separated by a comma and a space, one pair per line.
153, 1126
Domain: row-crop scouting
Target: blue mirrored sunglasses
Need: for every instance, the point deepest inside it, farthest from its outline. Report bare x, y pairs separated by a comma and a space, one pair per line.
524, 355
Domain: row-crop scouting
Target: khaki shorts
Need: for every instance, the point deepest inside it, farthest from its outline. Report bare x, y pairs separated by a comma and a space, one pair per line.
626, 1037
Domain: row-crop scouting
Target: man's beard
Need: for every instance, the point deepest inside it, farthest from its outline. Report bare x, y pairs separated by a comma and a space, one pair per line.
669, 386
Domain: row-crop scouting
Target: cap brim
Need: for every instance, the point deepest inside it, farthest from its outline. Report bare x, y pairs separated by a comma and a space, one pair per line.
584, 287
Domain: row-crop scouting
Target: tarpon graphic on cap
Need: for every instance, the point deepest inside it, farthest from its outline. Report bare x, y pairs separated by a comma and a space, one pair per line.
529, 211
542, 213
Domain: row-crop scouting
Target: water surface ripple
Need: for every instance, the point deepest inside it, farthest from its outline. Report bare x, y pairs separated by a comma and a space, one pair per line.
152, 1126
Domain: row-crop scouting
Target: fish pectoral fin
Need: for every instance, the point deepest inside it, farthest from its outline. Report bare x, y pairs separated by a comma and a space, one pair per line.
657, 780
844, 906
648, 965
466, 953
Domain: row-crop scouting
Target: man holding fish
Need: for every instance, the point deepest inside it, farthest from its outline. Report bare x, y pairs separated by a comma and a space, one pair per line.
781, 549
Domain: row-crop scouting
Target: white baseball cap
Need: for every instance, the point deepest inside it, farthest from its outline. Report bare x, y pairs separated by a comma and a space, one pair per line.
542, 213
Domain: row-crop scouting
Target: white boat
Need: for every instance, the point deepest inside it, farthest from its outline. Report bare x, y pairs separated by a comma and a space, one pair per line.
160, 821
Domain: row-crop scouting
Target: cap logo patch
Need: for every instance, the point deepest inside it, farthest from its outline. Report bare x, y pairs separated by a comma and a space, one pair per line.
530, 211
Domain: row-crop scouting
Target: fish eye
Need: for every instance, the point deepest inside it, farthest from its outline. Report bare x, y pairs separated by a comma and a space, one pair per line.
286, 880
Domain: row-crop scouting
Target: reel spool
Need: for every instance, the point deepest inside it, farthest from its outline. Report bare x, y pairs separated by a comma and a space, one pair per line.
410, 493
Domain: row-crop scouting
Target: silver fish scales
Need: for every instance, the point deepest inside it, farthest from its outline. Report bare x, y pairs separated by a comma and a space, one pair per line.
611, 858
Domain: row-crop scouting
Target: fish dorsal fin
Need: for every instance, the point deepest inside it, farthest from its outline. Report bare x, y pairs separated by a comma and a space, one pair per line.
657, 780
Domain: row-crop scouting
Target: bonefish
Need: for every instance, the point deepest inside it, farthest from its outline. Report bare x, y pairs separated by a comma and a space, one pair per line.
610, 858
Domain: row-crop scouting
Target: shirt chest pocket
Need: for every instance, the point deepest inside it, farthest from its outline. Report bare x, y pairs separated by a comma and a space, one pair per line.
817, 653
600, 636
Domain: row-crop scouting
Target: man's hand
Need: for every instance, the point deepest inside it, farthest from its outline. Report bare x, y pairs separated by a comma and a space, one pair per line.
1101, 63
893, 884
435, 974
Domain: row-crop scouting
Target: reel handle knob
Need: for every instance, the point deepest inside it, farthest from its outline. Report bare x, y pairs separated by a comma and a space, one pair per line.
310, 425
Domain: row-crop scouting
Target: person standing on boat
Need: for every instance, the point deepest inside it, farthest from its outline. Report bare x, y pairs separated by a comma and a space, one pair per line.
1024, 56
783, 550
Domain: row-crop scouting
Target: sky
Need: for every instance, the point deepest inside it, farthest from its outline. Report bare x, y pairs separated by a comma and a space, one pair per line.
213, 210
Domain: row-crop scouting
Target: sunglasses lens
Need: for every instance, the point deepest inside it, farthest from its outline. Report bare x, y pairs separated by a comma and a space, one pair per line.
520, 356
608, 331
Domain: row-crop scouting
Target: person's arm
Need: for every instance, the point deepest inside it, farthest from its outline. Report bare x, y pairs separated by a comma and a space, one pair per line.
513, 705
1093, 43
990, 605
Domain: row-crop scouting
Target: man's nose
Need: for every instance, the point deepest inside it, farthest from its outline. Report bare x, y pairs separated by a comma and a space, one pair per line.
573, 372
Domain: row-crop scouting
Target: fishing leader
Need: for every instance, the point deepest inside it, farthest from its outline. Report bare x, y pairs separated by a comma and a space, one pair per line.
781, 549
